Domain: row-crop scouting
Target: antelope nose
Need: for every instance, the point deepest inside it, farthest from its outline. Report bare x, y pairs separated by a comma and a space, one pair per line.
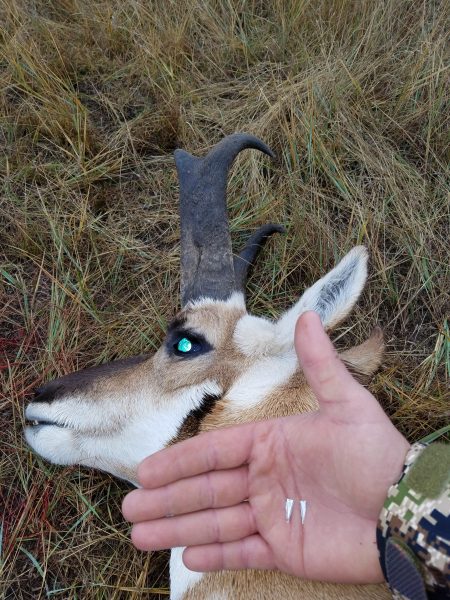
46, 393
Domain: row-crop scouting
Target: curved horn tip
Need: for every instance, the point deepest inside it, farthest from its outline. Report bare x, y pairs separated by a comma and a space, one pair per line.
234, 142
276, 228
241, 141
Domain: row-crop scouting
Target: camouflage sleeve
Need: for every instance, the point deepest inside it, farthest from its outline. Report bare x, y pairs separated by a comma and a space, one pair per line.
413, 533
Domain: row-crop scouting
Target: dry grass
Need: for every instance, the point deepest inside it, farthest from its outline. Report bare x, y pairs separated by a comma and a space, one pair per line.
351, 94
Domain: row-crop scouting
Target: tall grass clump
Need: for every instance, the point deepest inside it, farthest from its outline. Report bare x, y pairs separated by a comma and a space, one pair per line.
94, 97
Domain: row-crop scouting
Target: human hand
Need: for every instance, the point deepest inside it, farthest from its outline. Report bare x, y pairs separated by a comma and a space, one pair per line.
227, 488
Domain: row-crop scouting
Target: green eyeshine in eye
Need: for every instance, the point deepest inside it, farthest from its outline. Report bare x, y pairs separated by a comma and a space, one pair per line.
184, 345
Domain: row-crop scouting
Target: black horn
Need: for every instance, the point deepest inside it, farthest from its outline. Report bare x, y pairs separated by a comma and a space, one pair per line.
207, 267
247, 256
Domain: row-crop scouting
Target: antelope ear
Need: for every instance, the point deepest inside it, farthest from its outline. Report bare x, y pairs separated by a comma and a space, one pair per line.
332, 297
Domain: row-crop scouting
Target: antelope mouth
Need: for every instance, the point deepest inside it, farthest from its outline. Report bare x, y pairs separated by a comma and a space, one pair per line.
37, 417
43, 423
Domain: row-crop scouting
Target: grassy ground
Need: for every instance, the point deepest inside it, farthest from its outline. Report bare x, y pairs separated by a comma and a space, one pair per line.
95, 96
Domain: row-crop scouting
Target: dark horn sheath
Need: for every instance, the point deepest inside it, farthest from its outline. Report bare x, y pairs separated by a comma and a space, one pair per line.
248, 254
206, 256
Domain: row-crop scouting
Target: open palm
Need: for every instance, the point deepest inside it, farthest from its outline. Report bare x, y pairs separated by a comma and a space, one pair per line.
226, 490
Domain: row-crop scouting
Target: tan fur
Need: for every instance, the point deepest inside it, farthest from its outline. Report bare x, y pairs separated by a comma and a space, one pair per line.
295, 396
269, 585
365, 359
216, 323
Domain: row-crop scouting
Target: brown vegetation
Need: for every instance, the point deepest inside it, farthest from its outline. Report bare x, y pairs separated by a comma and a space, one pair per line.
94, 97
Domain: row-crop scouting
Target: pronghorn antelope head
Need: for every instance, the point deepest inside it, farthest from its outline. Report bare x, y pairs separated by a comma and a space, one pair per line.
218, 365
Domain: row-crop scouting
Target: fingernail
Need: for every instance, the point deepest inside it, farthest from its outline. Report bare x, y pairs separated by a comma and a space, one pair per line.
303, 510
289, 505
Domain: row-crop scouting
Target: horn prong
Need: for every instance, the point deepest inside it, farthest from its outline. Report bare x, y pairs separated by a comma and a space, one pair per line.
246, 258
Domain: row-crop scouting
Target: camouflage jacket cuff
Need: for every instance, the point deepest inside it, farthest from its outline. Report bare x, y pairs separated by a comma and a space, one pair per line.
413, 532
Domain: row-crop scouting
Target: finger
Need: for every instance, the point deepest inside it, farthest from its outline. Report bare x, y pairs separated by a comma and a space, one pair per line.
216, 489
249, 553
223, 449
203, 527
327, 375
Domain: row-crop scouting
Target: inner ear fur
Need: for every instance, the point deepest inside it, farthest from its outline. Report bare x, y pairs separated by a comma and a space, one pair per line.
365, 359
332, 297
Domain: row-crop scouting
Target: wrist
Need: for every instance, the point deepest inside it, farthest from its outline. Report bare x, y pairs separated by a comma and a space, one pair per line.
413, 546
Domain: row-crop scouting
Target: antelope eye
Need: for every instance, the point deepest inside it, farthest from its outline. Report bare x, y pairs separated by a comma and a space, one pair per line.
187, 345
184, 345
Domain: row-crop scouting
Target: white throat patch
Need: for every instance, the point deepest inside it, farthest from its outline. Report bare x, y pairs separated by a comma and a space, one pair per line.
181, 578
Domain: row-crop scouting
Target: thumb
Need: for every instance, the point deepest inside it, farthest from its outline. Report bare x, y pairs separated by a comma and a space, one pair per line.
334, 387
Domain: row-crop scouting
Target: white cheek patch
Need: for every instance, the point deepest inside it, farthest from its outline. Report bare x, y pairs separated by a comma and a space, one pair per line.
261, 379
255, 336
142, 433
